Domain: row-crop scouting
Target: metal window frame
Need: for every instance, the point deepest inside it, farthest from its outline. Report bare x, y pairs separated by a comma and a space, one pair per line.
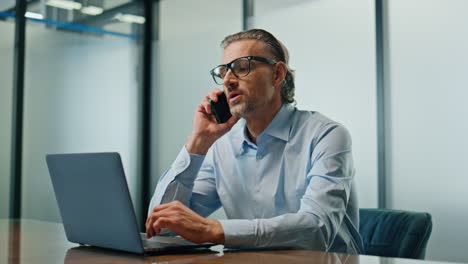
247, 13
381, 104
151, 31
17, 125
17, 111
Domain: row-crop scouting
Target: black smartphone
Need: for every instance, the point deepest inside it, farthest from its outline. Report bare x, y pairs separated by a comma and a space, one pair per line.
220, 109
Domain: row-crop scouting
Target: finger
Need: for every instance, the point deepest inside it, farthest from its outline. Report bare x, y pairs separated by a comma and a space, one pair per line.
158, 211
146, 224
217, 91
166, 205
160, 207
149, 232
213, 95
149, 220
230, 123
154, 231
203, 104
207, 107
162, 222
201, 109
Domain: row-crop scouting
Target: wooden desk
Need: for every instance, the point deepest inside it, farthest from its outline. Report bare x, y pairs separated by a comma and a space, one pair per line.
30, 241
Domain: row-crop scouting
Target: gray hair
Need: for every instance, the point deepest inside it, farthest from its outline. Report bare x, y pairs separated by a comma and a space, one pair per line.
278, 50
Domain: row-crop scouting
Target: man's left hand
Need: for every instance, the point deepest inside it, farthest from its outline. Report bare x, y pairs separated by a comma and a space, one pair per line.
185, 222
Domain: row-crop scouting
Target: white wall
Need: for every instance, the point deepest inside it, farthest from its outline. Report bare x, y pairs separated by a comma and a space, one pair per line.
81, 95
428, 81
332, 48
187, 50
7, 30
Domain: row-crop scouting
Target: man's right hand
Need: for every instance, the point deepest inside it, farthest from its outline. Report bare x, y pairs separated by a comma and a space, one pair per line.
205, 128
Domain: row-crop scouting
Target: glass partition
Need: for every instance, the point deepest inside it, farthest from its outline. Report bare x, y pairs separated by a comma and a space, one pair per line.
81, 95
7, 31
332, 50
427, 62
101, 18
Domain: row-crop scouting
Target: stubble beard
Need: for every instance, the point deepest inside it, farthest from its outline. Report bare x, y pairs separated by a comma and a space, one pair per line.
243, 109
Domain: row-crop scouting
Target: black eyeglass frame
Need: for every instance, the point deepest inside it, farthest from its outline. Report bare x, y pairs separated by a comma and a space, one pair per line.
249, 58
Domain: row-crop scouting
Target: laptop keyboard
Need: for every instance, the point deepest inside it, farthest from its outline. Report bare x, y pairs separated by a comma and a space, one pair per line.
158, 241
152, 244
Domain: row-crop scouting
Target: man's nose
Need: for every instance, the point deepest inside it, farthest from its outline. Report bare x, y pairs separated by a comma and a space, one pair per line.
229, 79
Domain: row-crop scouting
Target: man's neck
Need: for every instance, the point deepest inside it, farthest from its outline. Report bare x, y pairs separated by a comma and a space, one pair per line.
258, 122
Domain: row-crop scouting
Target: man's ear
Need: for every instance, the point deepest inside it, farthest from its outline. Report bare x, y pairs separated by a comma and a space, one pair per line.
280, 73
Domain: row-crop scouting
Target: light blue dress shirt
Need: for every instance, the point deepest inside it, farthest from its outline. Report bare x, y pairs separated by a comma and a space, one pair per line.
293, 189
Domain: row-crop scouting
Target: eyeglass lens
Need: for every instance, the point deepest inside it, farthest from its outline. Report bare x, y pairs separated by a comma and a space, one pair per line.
239, 67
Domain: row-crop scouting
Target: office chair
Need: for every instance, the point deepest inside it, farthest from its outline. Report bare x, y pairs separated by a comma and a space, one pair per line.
395, 233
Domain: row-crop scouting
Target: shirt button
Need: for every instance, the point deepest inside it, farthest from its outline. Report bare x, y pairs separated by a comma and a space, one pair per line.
257, 190
260, 156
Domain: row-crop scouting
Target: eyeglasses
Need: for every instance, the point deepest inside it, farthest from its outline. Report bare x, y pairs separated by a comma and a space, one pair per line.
240, 67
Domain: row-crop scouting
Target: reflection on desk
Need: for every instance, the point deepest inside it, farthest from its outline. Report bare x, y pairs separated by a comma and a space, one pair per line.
30, 241
94, 255
100, 256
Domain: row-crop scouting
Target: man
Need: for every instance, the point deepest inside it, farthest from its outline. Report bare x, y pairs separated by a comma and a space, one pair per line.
284, 177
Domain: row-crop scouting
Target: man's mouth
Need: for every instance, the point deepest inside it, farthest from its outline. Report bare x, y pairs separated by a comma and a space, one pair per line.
233, 96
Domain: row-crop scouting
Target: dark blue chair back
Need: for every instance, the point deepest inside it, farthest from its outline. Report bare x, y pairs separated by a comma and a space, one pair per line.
395, 233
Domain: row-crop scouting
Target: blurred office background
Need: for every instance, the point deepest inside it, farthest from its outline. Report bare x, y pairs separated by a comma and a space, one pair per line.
392, 71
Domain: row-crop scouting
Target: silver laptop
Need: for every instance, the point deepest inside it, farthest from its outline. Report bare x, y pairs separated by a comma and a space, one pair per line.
95, 204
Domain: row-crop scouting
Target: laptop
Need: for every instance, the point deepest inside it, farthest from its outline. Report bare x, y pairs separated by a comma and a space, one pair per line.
96, 207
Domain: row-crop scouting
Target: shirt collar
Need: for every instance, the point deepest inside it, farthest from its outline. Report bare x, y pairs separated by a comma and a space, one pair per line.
279, 127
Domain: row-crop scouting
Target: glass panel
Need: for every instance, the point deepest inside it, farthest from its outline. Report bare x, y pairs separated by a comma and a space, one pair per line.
119, 17
333, 78
7, 31
81, 95
428, 58
7, 6
188, 47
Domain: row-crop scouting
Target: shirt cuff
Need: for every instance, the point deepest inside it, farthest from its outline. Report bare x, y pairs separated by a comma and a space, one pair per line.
239, 233
186, 165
